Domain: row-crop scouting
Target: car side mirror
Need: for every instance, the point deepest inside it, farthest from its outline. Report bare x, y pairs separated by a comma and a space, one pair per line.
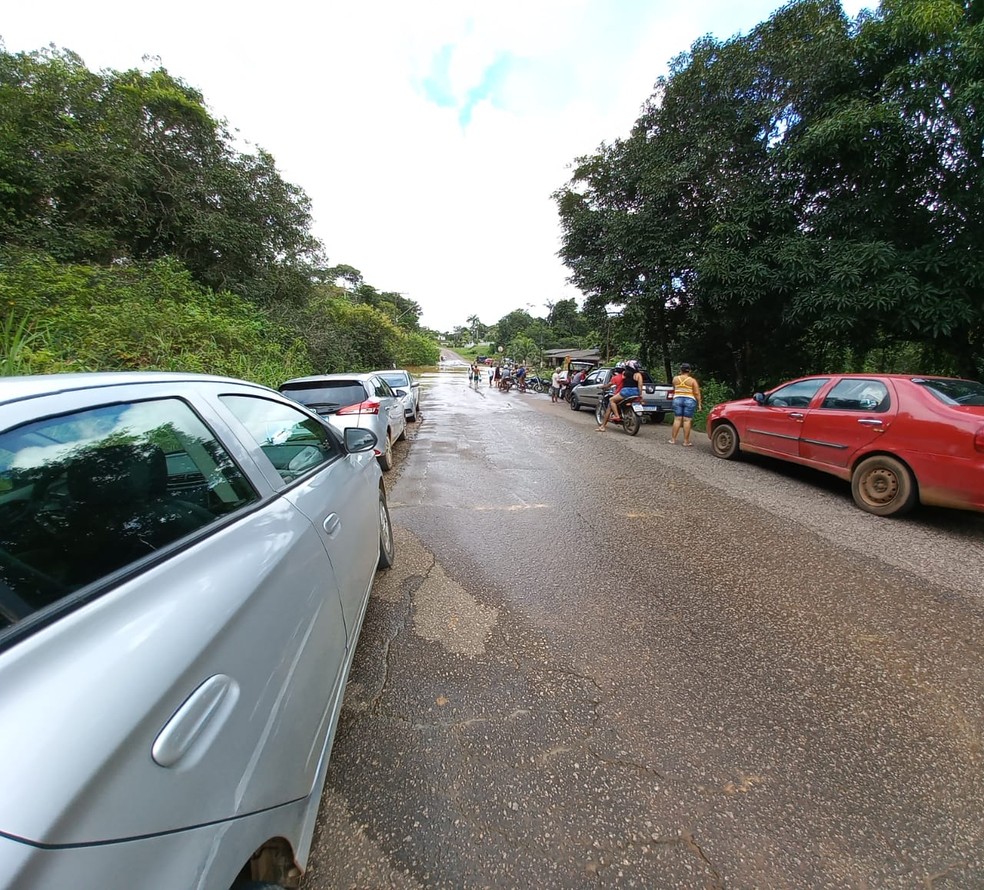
358, 439
400, 392
759, 397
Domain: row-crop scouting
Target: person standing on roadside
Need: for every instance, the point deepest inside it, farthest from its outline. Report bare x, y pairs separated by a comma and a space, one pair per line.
555, 385
491, 375
498, 374
686, 402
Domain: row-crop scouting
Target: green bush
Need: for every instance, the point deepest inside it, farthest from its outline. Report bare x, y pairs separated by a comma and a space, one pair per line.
712, 393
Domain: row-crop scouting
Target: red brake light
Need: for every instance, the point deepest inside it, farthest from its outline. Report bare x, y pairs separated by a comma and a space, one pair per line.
979, 440
369, 406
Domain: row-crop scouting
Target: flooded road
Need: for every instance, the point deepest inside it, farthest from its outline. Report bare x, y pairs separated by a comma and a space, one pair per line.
604, 661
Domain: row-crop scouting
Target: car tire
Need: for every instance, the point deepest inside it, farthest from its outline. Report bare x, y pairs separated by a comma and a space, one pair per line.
884, 486
413, 417
386, 458
575, 404
724, 441
387, 549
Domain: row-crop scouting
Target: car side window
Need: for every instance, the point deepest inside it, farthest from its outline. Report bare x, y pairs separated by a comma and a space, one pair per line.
593, 377
858, 395
293, 442
85, 494
796, 395
381, 388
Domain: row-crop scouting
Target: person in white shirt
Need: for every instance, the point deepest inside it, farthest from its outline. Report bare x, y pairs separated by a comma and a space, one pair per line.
555, 383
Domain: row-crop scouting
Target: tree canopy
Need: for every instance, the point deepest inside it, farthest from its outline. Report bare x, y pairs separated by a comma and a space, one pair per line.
122, 190
803, 197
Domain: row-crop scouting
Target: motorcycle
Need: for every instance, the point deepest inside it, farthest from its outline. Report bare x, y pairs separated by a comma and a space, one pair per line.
630, 413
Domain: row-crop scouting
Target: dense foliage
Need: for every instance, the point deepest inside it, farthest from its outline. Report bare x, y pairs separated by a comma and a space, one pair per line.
806, 197
135, 235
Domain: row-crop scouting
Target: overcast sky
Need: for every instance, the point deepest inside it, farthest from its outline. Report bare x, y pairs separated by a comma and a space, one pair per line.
429, 136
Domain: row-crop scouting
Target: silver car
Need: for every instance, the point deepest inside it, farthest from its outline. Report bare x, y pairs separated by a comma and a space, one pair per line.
355, 400
185, 563
404, 381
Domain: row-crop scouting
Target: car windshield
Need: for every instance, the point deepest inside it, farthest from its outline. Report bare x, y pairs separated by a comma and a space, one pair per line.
326, 396
396, 380
955, 392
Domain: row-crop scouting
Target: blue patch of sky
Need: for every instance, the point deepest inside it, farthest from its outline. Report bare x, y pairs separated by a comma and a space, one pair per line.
488, 88
437, 85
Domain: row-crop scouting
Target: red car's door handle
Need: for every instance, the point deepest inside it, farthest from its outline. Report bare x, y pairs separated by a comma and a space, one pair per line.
796, 415
869, 421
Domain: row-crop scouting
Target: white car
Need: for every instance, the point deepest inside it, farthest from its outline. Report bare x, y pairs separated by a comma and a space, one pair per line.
355, 400
185, 564
404, 380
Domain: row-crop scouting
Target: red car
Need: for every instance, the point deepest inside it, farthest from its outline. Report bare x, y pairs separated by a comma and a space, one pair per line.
898, 438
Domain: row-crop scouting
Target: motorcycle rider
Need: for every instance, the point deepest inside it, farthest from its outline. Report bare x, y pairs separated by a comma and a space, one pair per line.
632, 384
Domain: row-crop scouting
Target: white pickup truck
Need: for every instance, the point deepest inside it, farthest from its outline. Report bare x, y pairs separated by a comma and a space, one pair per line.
657, 398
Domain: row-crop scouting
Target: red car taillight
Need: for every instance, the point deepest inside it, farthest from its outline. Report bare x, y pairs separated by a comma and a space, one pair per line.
979, 440
369, 406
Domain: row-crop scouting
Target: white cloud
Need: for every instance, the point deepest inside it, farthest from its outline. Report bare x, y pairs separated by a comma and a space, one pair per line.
458, 217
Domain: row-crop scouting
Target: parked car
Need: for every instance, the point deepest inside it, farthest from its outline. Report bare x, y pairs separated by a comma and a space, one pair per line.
899, 439
185, 565
404, 380
355, 400
657, 399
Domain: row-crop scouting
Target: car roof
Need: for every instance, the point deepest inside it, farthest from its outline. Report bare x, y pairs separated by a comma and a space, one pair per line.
324, 378
14, 389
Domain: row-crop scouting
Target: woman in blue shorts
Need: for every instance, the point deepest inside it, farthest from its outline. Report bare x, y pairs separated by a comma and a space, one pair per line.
686, 403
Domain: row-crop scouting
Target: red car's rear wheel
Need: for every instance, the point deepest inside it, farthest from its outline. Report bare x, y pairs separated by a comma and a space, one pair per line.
884, 486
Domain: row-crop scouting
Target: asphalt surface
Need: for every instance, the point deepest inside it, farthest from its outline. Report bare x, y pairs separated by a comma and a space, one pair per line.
604, 661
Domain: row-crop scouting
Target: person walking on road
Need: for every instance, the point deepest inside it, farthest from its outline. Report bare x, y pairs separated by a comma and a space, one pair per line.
686, 402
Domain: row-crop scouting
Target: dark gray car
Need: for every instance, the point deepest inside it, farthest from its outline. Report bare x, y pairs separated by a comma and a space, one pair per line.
656, 399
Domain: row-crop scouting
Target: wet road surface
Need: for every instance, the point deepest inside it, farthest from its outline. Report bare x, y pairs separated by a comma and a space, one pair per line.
604, 661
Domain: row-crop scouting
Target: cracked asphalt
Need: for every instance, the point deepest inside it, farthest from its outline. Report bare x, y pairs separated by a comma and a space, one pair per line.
603, 661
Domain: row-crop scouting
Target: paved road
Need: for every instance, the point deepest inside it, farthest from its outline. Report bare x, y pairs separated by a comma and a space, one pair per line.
610, 662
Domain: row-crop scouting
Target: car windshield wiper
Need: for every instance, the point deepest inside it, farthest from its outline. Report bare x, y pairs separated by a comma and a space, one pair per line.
324, 407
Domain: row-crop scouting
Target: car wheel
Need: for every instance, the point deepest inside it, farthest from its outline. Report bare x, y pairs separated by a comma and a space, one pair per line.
413, 417
386, 458
387, 549
630, 421
884, 486
575, 404
724, 441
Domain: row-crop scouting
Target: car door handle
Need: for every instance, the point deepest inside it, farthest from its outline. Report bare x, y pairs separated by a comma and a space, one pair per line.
197, 720
332, 524
869, 421
797, 415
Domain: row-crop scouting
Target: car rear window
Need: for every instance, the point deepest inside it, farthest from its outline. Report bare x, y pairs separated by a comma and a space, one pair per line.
85, 494
954, 392
326, 396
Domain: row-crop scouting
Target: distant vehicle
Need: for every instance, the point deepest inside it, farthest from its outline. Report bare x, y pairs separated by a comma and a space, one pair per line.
355, 400
899, 439
185, 565
482, 359
404, 380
